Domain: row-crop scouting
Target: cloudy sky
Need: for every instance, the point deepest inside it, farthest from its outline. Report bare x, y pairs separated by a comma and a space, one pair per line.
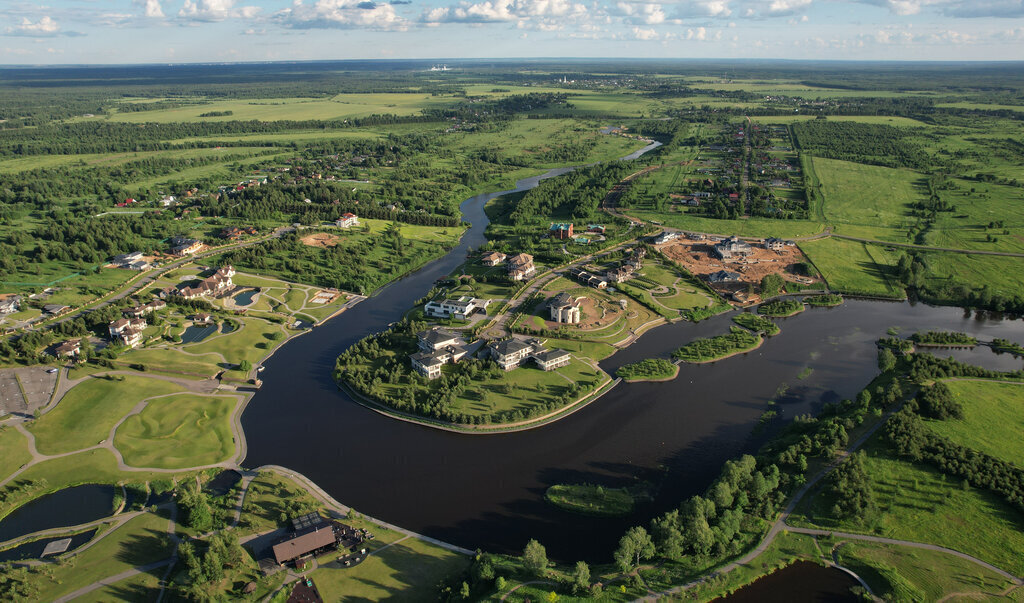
142, 31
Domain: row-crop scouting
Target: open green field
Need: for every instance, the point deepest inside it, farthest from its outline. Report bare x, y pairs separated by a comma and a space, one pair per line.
746, 227
889, 120
1001, 274
406, 571
88, 160
869, 201
141, 540
170, 361
266, 501
993, 419
251, 342
917, 503
13, 451
85, 415
903, 573
853, 267
178, 431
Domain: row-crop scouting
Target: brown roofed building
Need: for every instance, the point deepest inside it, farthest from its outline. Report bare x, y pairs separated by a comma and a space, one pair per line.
313, 540
520, 266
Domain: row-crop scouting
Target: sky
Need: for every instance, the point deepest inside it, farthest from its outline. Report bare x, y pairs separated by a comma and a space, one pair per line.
185, 31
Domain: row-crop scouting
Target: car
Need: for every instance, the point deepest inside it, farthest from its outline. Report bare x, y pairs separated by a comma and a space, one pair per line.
51, 371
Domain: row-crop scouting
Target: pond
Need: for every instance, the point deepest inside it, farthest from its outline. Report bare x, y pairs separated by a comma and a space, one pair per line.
34, 550
222, 483
228, 326
800, 581
245, 297
67, 507
197, 333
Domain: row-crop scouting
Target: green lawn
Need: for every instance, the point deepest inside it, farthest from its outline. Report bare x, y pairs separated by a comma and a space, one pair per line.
852, 267
142, 540
919, 504
993, 419
749, 227
85, 415
904, 573
172, 361
178, 431
13, 451
265, 502
252, 342
1001, 274
407, 571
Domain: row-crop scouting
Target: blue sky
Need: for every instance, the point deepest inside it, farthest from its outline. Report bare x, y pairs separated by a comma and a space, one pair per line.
144, 31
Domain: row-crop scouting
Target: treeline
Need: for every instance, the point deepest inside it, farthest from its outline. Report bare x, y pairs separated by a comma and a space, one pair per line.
926, 367
876, 144
944, 338
576, 194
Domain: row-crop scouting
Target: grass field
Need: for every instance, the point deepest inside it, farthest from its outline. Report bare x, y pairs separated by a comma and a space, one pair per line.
993, 419
142, 540
169, 361
919, 504
853, 267
748, 227
406, 571
251, 342
85, 415
13, 451
267, 501
178, 431
903, 573
91, 160
1001, 274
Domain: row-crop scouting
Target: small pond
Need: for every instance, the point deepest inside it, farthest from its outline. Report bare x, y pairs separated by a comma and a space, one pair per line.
227, 326
197, 333
34, 550
801, 581
245, 297
67, 507
222, 483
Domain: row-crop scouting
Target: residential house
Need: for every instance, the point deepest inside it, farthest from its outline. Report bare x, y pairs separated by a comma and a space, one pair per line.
69, 349
511, 353
724, 276
144, 309
55, 309
347, 220
461, 308
733, 247
520, 267
437, 339
549, 360
125, 260
774, 244
439, 348
217, 283
588, 279
232, 233
561, 231
10, 303
202, 318
128, 332
183, 246
564, 308
596, 228
492, 259
665, 237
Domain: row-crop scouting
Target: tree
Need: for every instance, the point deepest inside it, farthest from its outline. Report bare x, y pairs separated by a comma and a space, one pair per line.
581, 578
771, 285
500, 583
633, 547
886, 360
850, 487
535, 557
464, 591
245, 366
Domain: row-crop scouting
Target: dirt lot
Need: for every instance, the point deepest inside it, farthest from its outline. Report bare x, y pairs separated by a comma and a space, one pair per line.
697, 257
320, 239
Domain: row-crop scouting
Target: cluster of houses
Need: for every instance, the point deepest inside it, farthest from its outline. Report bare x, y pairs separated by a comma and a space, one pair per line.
461, 308
218, 283
439, 347
628, 268
130, 261
564, 231
519, 266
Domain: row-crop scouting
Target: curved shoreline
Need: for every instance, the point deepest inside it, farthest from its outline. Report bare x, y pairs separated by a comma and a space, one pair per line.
674, 374
730, 355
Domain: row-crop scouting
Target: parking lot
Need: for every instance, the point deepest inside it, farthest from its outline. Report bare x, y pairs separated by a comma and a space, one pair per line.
33, 391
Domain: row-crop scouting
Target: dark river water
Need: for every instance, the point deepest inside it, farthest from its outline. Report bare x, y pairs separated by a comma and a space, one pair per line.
486, 491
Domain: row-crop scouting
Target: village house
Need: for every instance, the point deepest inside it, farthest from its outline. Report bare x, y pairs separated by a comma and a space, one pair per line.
510, 353
312, 535
10, 303
347, 220
144, 309
461, 308
492, 259
564, 308
201, 318
561, 231
520, 267
665, 237
216, 284
438, 348
732, 247
774, 244
596, 229
56, 309
69, 349
182, 246
589, 279
232, 233
724, 276
127, 332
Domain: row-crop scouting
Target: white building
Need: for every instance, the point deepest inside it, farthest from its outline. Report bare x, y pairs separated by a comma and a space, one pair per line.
564, 308
461, 308
347, 220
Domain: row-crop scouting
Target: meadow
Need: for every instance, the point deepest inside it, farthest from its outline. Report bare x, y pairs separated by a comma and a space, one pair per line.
854, 267
178, 432
993, 418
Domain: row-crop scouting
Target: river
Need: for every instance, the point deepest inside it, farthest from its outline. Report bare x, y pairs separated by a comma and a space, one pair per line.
486, 491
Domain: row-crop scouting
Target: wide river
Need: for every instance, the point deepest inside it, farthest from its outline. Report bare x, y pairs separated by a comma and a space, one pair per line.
486, 491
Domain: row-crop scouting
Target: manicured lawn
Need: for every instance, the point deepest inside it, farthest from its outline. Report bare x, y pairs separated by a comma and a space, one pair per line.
142, 540
86, 414
993, 419
251, 342
904, 573
178, 431
172, 361
140, 587
13, 451
852, 267
407, 571
917, 503
265, 502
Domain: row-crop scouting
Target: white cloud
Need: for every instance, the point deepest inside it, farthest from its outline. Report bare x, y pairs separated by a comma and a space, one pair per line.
342, 14
786, 7
697, 34
215, 10
151, 8
649, 14
644, 34
716, 9
43, 27
538, 14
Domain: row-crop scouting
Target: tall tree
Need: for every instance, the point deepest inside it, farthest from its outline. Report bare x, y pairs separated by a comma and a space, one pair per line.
535, 557
633, 547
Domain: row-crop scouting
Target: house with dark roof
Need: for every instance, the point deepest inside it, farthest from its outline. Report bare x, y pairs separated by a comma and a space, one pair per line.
549, 360
69, 349
724, 276
313, 540
510, 353
564, 308
733, 247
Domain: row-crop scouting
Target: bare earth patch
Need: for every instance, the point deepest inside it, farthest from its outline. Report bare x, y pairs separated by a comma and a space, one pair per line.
320, 239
